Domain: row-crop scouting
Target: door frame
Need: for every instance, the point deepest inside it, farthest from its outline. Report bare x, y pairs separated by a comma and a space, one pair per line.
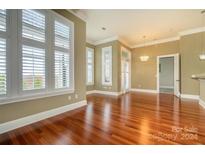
121, 60
176, 72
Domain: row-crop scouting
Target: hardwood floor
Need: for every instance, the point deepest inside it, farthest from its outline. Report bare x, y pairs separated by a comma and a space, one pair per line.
133, 118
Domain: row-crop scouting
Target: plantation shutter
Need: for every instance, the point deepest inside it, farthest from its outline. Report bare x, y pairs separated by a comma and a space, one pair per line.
3, 69
63, 67
33, 50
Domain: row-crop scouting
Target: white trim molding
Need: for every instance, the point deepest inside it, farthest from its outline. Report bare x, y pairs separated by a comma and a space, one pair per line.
159, 41
144, 90
78, 13
90, 92
111, 93
156, 42
202, 102
188, 96
11, 125
110, 39
192, 31
167, 87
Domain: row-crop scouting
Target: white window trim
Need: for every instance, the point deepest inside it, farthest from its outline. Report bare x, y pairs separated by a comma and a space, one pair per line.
92, 50
103, 75
14, 91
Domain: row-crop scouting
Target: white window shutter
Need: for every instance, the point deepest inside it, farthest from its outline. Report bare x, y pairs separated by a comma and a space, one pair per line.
2, 20
33, 68
3, 67
33, 56
3, 53
33, 25
63, 69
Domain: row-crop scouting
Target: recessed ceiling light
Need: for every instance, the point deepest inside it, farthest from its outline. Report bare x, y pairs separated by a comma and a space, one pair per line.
103, 28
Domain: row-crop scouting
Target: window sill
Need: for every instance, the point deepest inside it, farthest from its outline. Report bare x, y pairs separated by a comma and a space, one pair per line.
8, 100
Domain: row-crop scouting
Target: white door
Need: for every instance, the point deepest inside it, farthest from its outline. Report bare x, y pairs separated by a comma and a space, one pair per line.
176, 75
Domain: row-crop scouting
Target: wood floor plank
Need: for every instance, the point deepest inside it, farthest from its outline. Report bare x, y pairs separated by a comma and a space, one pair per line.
133, 118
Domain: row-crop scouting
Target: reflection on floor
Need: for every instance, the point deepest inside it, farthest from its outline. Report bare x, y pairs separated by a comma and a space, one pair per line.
167, 90
132, 118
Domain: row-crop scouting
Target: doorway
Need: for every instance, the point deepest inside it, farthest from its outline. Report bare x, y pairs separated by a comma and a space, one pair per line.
168, 74
125, 70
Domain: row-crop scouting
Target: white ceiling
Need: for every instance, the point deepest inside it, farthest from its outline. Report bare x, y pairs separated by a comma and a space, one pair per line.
131, 25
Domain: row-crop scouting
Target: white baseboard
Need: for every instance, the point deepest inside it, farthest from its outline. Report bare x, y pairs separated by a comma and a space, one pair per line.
202, 102
196, 97
167, 87
11, 125
144, 90
103, 92
90, 92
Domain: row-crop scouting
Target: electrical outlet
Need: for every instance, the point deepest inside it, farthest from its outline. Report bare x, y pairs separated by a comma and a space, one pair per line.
76, 96
139, 85
69, 98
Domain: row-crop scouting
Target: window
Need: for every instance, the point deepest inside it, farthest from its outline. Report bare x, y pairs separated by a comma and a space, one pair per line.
33, 50
107, 66
37, 57
33, 68
61, 69
90, 66
3, 53
63, 52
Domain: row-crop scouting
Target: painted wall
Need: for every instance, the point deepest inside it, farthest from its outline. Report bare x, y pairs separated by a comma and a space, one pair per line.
190, 48
166, 74
144, 73
17, 110
202, 90
116, 66
91, 87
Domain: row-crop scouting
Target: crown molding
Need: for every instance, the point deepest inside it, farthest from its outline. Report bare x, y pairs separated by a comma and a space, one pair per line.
110, 39
192, 31
77, 15
156, 42
90, 42
170, 39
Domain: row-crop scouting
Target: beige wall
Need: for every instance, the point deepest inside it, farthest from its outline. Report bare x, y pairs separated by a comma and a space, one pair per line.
190, 48
20, 109
116, 47
91, 87
144, 73
202, 89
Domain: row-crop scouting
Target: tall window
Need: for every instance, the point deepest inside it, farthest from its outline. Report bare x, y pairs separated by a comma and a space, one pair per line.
3, 53
107, 66
90, 66
33, 50
36, 54
62, 55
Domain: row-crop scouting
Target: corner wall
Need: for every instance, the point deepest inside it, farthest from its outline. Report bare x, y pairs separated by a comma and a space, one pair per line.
189, 47
144, 73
